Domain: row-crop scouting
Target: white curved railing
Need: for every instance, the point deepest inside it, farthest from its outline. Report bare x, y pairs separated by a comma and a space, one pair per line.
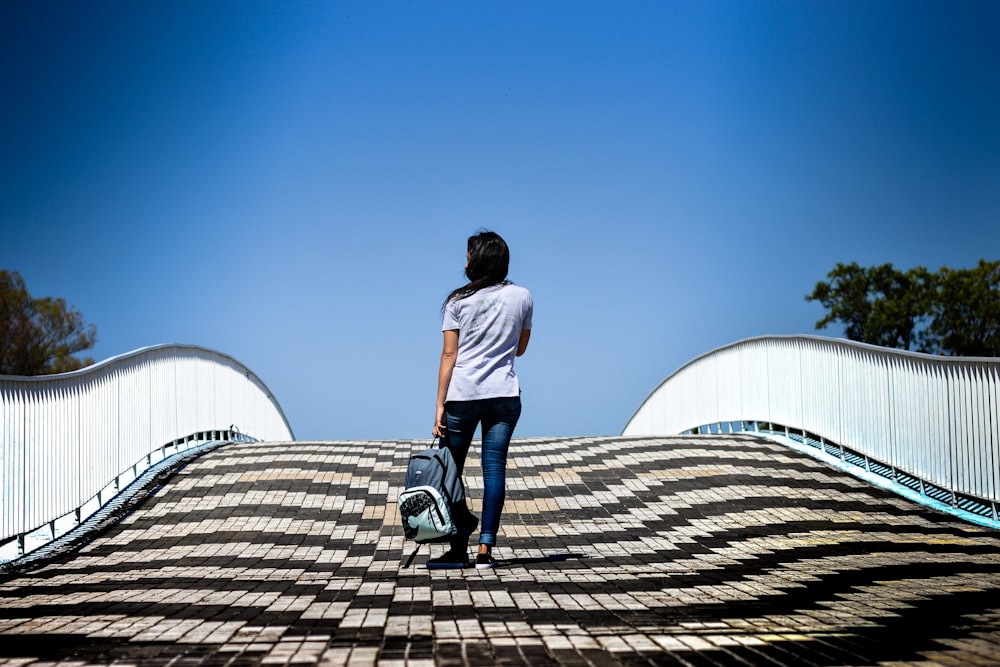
65, 438
929, 423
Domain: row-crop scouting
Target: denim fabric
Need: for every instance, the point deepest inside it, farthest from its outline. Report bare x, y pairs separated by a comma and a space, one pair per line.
499, 417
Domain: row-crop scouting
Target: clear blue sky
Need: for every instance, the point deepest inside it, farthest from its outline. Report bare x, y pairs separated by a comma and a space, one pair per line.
292, 183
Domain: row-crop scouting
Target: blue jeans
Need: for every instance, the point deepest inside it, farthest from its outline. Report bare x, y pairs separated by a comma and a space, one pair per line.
499, 417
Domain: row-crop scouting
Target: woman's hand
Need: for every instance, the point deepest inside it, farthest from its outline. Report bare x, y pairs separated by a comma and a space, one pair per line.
439, 423
449, 352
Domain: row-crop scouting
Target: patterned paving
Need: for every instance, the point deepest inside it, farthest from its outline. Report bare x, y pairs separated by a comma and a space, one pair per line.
694, 550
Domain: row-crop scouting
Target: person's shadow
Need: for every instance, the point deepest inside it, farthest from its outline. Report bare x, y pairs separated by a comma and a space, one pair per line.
551, 558
507, 562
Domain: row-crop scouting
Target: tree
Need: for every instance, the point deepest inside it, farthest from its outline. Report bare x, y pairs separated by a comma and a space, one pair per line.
879, 305
39, 336
967, 311
953, 311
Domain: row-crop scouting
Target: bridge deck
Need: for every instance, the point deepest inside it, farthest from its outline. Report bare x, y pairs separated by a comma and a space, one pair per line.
697, 550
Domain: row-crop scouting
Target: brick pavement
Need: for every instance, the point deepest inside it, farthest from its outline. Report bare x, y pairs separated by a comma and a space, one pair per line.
688, 550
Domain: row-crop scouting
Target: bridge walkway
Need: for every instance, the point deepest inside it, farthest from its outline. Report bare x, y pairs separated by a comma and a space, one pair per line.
687, 550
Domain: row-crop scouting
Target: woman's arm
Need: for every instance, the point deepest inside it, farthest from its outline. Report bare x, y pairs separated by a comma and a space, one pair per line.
449, 353
522, 342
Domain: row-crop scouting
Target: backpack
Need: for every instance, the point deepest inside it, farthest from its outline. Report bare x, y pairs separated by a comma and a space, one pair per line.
432, 485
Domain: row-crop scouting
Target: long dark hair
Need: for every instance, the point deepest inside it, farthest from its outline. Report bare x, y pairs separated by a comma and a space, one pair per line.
489, 260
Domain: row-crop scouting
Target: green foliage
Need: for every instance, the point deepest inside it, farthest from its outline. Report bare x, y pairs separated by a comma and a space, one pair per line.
954, 311
39, 336
967, 311
879, 305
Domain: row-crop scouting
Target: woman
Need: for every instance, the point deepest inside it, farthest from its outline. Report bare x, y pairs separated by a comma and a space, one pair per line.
487, 323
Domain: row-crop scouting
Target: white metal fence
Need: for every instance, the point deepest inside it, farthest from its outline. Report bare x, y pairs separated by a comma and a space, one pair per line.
928, 422
65, 438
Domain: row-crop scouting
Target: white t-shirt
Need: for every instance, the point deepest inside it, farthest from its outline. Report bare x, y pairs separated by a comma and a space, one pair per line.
489, 325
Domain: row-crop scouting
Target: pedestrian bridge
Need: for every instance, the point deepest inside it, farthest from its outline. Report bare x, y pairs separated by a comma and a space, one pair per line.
687, 550
719, 528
